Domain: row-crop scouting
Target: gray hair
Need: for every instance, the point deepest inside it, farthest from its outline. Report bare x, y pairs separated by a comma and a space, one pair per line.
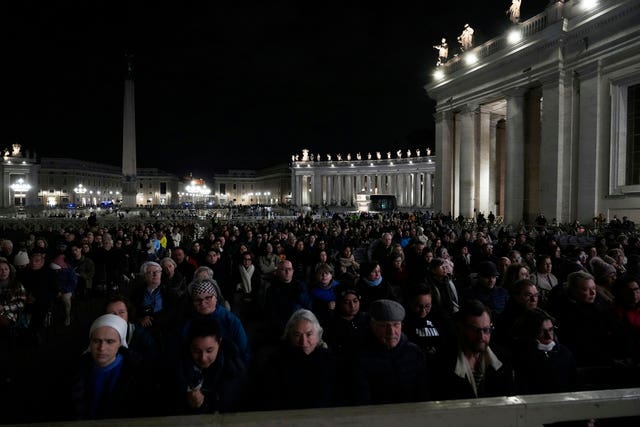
576, 278
202, 270
145, 266
168, 260
299, 316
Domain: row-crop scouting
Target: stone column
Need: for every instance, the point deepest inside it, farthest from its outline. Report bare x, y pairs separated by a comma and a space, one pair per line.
428, 194
467, 160
483, 181
555, 149
444, 162
514, 181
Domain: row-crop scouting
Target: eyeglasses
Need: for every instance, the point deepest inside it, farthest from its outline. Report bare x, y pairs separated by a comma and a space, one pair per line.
483, 331
154, 272
206, 298
531, 296
423, 307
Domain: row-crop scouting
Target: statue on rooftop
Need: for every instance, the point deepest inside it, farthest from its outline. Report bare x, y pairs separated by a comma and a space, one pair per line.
417, 152
514, 11
349, 156
359, 156
388, 154
399, 153
378, 155
329, 157
369, 155
443, 52
339, 156
466, 38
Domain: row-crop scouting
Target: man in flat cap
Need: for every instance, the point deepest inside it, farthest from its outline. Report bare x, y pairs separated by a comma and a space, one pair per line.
389, 368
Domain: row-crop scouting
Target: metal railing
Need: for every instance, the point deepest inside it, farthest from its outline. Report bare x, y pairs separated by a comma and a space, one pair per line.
520, 411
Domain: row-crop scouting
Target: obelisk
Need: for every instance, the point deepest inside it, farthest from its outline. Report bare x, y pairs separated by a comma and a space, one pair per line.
129, 172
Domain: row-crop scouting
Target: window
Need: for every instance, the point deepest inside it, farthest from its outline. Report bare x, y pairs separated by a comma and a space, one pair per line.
633, 135
625, 136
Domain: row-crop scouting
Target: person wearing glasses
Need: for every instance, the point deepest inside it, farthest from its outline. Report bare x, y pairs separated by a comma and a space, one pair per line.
204, 304
247, 282
474, 369
524, 297
426, 323
541, 363
283, 296
157, 308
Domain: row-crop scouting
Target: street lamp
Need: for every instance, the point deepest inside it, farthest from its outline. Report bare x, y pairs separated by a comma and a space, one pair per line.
20, 190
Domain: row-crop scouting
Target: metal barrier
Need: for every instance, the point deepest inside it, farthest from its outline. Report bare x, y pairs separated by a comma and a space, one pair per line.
520, 411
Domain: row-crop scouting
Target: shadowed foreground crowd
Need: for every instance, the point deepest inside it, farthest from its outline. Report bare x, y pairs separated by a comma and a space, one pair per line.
149, 320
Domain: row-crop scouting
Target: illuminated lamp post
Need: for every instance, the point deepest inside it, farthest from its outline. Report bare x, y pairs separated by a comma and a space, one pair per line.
80, 191
20, 190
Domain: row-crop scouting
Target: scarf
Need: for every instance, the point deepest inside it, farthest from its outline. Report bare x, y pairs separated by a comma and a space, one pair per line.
245, 276
546, 347
373, 283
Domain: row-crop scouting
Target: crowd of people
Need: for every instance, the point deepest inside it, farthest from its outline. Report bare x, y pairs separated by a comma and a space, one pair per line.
308, 313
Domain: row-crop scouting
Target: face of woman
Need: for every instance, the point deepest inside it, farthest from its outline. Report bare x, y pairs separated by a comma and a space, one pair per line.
523, 273
632, 293
375, 274
5, 271
153, 276
105, 342
586, 292
119, 309
204, 351
547, 333
350, 305
428, 256
397, 262
304, 336
422, 305
323, 256
204, 303
325, 277
168, 269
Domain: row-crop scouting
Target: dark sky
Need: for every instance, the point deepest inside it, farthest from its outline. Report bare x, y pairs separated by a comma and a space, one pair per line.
231, 84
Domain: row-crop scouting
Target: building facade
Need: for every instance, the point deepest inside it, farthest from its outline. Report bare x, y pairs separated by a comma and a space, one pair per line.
58, 182
268, 186
545, 118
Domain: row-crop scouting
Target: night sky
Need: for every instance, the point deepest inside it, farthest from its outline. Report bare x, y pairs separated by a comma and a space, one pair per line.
234, 85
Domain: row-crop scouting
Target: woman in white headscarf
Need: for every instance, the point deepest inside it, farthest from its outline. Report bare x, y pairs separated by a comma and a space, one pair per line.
109, 380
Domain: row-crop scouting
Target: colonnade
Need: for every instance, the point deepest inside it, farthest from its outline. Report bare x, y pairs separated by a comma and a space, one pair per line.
338, 183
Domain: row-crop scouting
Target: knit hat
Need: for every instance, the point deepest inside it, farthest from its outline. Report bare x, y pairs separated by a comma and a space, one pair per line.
113, 321
487, 268
21, 259
385, 310
601, 269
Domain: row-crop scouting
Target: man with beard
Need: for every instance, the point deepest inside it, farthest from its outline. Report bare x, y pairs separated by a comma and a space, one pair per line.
474, 370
